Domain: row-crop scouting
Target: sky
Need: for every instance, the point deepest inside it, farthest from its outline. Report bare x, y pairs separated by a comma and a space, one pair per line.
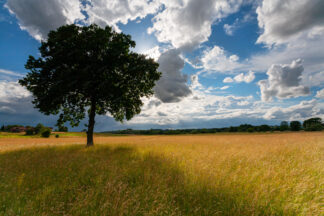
223, 62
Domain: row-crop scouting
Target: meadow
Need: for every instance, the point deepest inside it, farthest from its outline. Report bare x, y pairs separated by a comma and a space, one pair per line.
211, 174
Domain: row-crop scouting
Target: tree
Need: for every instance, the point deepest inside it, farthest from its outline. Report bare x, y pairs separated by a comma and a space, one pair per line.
39, 128
284, 126
244, 127
313, 124
295, 126
264, 128
89, 69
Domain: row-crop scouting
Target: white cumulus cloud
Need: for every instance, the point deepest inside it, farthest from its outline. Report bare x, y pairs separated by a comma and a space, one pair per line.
228, 80
38, 17
249, 77
283, 82
282, 20
187, 23
320, 94
12, 91
217, 59
112, 12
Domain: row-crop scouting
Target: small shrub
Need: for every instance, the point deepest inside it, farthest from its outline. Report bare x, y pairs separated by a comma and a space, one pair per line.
57, 136
46, 133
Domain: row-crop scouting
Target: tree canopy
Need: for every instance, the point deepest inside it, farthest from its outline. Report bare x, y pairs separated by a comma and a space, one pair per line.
89, 69
313, 124
295, 126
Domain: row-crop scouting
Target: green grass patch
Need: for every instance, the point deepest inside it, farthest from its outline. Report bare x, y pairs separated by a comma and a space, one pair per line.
13, 135
70, 134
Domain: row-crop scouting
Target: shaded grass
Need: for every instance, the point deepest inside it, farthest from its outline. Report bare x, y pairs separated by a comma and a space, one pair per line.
105, 181
168, 179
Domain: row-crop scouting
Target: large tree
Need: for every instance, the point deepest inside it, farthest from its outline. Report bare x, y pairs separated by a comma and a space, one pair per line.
89, 69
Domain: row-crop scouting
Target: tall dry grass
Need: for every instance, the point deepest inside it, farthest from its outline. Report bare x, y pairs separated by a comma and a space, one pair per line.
224, 174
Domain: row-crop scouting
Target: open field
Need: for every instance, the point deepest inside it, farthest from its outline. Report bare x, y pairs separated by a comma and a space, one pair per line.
222, 174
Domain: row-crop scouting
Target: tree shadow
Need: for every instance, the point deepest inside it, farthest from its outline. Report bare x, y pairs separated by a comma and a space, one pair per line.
109, 181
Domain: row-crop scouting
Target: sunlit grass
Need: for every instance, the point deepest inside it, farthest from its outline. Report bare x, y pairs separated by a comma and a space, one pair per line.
266, 174
11, 135
70, 134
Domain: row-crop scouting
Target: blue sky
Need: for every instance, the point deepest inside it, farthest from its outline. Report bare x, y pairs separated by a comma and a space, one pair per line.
223, 62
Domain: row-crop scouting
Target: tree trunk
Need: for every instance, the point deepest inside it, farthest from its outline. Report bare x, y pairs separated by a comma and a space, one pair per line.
91, 124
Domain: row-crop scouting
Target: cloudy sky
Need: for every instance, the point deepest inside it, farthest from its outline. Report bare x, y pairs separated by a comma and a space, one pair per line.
224, 62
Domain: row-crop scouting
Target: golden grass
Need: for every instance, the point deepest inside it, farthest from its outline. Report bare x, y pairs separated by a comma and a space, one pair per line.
222, 174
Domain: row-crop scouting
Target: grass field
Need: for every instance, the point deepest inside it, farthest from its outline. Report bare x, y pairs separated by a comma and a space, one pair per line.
223, 174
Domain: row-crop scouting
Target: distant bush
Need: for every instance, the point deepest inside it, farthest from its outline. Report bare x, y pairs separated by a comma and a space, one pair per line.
39, 128
29, 132
46, 133
250, 130
57, 136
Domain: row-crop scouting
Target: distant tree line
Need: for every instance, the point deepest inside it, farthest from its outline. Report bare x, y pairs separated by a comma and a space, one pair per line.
39, 129
312, 124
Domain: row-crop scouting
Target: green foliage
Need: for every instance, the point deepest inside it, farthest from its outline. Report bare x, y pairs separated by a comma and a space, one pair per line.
244, 127
39, 128
29, 132
295, 126
314, 127
46, 133
84, 64
241, 128
264, 128
87, 66
284, 126
233, 129
313, 124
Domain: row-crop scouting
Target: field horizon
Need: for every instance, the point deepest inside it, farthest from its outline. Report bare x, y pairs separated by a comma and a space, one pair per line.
213, 174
